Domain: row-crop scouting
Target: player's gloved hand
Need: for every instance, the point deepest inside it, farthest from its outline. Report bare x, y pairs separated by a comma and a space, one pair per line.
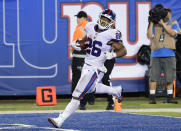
76, 46
110, 55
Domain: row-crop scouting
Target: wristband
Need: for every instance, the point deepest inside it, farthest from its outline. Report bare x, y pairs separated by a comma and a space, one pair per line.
114, 54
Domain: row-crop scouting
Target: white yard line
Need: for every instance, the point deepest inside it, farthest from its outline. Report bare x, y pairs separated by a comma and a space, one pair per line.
152, 110
32, 127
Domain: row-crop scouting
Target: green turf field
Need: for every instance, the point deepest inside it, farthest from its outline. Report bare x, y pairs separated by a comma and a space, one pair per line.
100, 104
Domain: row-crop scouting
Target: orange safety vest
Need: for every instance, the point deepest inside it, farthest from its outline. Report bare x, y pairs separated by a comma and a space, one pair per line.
79, 32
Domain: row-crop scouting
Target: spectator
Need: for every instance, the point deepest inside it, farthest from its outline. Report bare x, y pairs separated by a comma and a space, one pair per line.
162, 37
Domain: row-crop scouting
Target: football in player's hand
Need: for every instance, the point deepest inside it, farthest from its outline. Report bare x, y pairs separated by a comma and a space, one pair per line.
82, 44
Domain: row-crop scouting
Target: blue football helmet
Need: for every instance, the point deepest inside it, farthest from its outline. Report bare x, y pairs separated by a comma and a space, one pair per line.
109, 14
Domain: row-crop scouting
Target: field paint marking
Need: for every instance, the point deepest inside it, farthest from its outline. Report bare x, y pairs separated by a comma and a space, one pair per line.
19, 126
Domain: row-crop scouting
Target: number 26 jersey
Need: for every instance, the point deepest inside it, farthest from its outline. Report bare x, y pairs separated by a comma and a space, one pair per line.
98, 44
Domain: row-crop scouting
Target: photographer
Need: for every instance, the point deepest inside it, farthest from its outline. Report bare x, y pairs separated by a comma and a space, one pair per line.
162, 32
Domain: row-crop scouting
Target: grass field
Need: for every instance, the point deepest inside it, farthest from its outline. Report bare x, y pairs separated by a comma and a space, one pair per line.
100, 104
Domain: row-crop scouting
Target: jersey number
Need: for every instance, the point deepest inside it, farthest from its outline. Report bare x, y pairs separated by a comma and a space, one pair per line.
93, 47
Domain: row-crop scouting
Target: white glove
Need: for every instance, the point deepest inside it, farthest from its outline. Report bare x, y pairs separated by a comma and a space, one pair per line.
110, 55
75, 45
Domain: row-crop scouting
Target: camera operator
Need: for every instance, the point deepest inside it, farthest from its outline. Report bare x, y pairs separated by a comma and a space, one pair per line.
162, 36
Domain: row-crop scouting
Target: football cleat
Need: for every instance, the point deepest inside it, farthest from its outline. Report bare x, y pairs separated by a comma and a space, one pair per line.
120, 99
54, 122
110, 107
82, 107
172, 101
152, 102
152, 99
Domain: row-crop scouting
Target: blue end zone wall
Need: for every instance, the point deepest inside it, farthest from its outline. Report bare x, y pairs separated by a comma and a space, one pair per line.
35, 37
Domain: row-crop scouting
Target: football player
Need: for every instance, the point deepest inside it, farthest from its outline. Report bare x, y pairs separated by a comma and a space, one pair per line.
103, 43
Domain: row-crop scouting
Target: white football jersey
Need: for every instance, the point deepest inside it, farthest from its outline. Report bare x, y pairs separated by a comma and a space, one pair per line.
98, 44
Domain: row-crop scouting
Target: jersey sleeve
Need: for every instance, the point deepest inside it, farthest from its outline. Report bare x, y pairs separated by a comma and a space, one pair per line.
88, 26
116, 36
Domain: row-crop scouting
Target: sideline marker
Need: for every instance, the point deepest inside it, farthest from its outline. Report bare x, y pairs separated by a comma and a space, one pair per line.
174, 89
46, 95
117, 106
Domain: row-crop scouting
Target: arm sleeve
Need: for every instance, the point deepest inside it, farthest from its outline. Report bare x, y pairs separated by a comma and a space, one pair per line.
87, 27
116, 36
175, 27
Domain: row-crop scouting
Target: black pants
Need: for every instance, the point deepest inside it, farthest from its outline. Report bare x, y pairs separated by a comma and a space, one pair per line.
77, 64
109, 64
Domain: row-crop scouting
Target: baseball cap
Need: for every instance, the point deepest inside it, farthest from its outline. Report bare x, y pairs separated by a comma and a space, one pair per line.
81, 14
